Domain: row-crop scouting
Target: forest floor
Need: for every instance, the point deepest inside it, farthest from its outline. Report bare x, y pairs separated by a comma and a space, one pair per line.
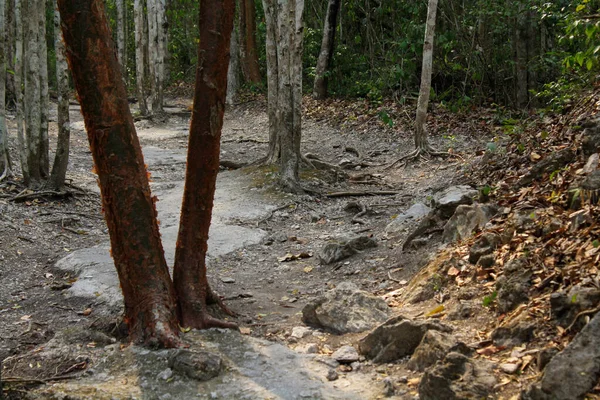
264, 262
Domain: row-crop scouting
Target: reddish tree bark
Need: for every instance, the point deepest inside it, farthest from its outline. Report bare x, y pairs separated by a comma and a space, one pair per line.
189, 275
150, 309
248, 53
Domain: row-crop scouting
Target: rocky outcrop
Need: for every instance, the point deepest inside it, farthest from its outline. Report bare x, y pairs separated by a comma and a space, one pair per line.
446, 201
433, 347
396, 338
346, 309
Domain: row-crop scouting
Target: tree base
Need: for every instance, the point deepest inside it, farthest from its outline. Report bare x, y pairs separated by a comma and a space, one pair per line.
195, 314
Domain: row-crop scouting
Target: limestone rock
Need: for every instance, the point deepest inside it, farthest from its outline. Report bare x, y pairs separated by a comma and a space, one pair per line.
565, 306
573, 372
433, 347
403, 221
346, 309
517, 333
449, 199
485, 245
201, 365
591, 140
333, 252
396, 338
345, 355
467, 219
513, 286
546, 166
463, 310
300, 332
457, 377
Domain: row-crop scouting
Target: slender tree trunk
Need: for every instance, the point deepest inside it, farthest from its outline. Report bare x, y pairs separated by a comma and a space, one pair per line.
9, 50
248, 53
32, 92
19, 81
61, 158
421, 142
522, 94
45, 98
121, 38
327, 46
5, 169
233, 71
140, 55
155, 9
129, 210
189, 274
272, 81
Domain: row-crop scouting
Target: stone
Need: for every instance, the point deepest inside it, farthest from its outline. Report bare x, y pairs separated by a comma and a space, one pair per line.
300, 332
332, 375
345, 355
591, 140
396, 338
514, 334
466, 220
590, 188
483, 246
463, 310
449, 199
227, 279
513, 286
509, 368
487, 261
201, 365
573, 372
433, 347
165, 374
333, 252
405, 220
388, 387
544, 357
547, 165
592, 164
565, 306
580, 219
310, 348
346, 309
457, 377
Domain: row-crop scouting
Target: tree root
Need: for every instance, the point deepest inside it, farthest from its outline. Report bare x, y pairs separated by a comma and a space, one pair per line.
421, 152
213, 298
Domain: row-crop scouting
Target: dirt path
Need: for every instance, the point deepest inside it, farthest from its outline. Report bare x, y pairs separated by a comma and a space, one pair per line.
42, 292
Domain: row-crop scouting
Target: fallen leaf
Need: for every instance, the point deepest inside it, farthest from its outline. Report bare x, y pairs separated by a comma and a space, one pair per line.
86, 312
453, 271
413, 381
245, 330
436, 310
308, 269
25, 317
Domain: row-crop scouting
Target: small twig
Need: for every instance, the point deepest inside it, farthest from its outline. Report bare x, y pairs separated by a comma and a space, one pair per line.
17, 379
356, 219
581, 314
366, 193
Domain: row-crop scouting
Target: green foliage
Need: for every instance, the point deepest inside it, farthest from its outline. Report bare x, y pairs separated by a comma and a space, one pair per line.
582, 36
488, 300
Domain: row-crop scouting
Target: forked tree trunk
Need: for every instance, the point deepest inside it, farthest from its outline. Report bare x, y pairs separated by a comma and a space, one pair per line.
32, 93
121, 39
61, 158
189, 274
421, 142
5, 169
130, 213
327, 46
140, 55
248, 53
286, 20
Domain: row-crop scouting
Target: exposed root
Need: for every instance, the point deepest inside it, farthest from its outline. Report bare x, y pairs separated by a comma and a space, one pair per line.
232, 164
213, 298
23, 196
421, 152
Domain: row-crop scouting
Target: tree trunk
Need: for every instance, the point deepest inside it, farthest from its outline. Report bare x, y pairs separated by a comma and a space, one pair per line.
19, 79
233, 71
189, 274
140, 55
272, 81
130, 213
156, 18
327, 46
61, 158
32, 92
5, 169
248, 53
45, 98
11, 97
421, 142
121, 39
522, 94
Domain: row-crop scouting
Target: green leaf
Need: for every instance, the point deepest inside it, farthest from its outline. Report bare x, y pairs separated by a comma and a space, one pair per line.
596, 243
488, 300
580, 7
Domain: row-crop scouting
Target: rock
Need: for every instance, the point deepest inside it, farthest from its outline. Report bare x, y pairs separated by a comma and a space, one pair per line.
433, 347
449, 199
463, 310
544, 357
467, 219
590, 188
333, 252
592, 164
330, 362
165, 374
580, 219
332, 375
346, 309
388, 387
403, 221
423, 292
565, 306
201, 365
300, 332
573, 372
345, 355
591, 140
457, 377
227, 279
515, 334
547, 165
509, 368
485, 245
487, 261
513, 286
396, 338
310, 348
